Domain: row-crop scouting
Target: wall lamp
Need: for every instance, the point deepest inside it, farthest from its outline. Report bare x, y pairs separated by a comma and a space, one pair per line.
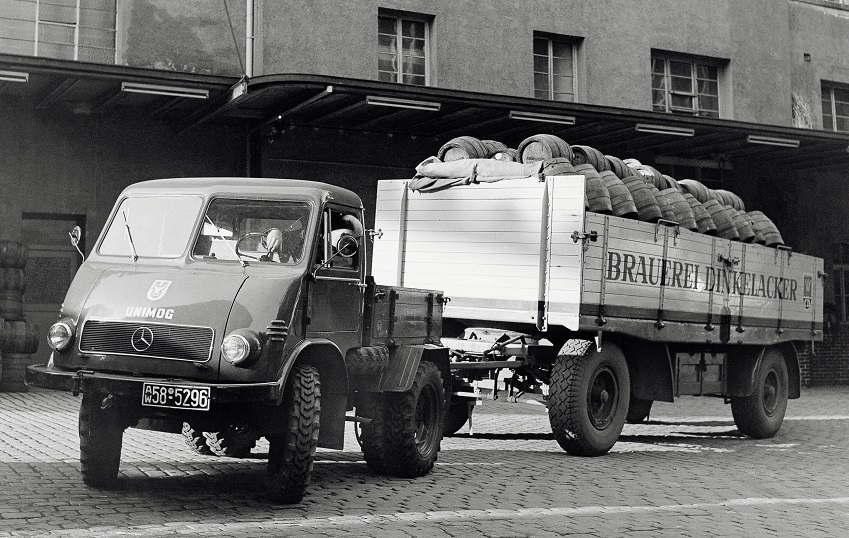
664, 130
403, 103
539, 116
14, 76
171, 91
773, 141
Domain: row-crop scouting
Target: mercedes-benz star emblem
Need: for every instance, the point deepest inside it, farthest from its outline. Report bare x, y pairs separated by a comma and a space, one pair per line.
142, 339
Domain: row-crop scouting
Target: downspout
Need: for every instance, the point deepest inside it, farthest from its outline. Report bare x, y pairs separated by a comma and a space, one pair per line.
249, 38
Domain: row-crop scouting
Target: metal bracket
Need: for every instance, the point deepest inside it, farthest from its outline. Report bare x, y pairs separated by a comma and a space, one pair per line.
584, 238
669, 223
728, 260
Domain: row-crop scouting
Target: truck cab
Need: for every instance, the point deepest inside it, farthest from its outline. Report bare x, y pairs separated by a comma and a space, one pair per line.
227, 309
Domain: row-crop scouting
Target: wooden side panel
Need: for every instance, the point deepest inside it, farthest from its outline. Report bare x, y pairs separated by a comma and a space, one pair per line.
386, 258
480, 244
563, 300
404, 316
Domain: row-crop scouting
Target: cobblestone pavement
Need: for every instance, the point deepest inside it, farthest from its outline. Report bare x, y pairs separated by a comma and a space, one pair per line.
686, 473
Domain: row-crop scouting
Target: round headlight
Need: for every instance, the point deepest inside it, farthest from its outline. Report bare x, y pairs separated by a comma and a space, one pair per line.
60, 334
235, 348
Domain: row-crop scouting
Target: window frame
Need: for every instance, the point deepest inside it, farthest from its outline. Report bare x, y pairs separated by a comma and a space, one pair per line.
399, 18
77, 27
695, 62
550, 40
831, 87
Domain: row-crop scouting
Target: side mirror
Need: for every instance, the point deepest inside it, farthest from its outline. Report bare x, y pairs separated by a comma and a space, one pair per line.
347, 246
76, 234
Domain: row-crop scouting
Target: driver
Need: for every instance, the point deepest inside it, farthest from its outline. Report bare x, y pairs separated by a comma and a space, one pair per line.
284, 246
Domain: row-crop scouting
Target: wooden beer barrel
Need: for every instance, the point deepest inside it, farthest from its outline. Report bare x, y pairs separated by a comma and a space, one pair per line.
13, 254
747, 235
620, 196
12, 278
19, 337
508, 155
759, 236
696, 188
647, 208
772, 237
14, 367
595, 191
725, 227
731, 199
492, 147
671, 182
588, 155
704, 222
666, 209
618, 166
11, 305
542, 147
462, 147
558, 166
683, 211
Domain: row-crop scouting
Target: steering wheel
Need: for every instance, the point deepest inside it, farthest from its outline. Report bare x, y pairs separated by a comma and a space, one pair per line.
244, 237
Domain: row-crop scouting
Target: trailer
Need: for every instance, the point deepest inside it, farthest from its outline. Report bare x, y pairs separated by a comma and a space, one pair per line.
596, 314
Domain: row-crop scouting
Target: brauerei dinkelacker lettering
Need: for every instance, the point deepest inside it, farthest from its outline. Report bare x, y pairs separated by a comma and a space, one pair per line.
638, 269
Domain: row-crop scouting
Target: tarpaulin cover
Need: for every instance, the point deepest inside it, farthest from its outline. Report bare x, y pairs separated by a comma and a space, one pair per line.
434, 175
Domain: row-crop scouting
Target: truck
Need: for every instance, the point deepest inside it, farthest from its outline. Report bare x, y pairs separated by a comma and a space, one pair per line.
230, 309
595, 315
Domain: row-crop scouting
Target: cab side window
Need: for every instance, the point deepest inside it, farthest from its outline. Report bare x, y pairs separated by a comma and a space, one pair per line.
335, 225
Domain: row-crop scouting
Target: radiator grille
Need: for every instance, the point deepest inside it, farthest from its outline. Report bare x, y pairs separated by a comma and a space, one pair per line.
153, 340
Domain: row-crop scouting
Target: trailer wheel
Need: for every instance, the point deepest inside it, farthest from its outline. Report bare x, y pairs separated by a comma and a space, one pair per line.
760, 415
235, 442
291, 454
101, 436
638, 410
196, 440
588, 400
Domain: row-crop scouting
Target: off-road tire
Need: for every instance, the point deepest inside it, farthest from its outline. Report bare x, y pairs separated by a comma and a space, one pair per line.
234, 442
588, 400
638, 410
101, 436
372, 434
196, 440
415, 422
760, 415
291, 454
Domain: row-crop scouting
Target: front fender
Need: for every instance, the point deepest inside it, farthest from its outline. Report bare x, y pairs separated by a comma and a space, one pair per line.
326, 357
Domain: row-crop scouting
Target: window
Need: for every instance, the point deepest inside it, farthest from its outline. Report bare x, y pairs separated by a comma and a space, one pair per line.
81, 30
685, 86
151, 227
402, 43
835, 108
554, 69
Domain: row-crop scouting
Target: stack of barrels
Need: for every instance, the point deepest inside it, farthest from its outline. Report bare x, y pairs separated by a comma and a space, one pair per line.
630, 189
18, 337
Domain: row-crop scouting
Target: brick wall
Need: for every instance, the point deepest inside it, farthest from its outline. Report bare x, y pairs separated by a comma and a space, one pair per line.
829, 364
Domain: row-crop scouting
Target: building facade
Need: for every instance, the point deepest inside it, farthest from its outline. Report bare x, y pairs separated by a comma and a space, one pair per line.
750, 96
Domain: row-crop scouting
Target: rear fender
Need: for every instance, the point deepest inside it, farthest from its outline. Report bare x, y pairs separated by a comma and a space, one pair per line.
404, 361
743, 364
326, 357
650, 370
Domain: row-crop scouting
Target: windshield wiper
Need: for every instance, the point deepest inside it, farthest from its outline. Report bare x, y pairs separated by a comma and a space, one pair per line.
221, 236
130, 237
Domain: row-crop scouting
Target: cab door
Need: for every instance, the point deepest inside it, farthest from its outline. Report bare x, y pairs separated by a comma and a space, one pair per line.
335, 296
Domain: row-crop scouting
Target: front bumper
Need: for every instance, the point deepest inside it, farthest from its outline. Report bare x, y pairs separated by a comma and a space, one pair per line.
88, 381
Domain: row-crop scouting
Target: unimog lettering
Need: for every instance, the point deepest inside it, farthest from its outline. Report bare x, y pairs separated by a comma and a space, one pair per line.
149, 312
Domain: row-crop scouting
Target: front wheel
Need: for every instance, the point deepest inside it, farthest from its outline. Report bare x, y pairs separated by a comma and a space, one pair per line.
101, 436
291, 453
760, 415
588, 400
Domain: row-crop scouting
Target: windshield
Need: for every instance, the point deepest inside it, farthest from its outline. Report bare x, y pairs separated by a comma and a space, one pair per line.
270, 231
151, 226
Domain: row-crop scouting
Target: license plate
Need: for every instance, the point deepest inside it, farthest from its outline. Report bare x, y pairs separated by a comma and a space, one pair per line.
175, 396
